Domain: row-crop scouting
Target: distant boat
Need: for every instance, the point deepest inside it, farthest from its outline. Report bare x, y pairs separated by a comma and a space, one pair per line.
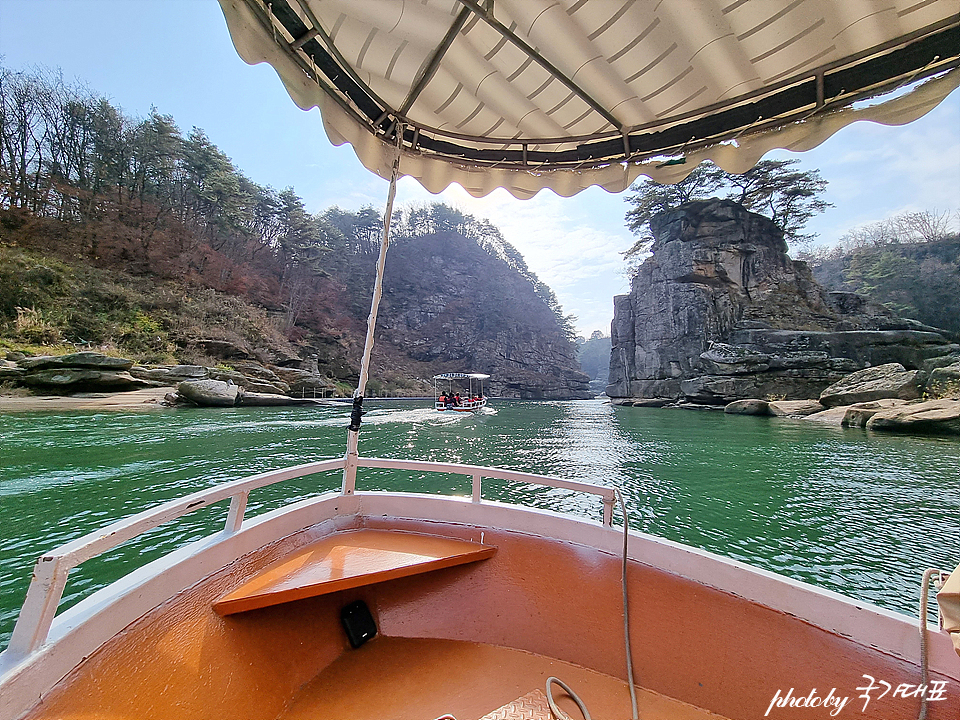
447, 387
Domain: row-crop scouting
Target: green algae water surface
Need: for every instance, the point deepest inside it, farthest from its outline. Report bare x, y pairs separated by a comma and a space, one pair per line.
859, 513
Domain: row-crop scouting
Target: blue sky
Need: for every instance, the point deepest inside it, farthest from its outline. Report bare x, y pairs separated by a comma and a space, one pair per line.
177, 55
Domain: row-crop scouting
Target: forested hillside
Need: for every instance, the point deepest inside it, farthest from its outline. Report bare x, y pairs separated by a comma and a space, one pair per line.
126, 232
910, 263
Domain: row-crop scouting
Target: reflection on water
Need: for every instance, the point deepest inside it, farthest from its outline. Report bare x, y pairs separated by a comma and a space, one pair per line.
862, 514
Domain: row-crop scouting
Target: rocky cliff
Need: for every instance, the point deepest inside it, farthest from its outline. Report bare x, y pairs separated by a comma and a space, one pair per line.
719, 312
449, 303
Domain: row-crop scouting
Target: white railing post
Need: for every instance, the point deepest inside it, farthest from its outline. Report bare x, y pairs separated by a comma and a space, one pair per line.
350, 463
238, 506
608, 511
40, 606
476, 487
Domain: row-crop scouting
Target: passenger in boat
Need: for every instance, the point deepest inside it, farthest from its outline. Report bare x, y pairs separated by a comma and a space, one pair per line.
456, 400
442, 399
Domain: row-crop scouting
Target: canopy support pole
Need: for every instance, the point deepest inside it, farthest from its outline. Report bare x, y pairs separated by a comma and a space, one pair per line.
353, 432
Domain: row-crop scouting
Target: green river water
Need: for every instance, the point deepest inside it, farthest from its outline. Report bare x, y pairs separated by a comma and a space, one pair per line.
859, 513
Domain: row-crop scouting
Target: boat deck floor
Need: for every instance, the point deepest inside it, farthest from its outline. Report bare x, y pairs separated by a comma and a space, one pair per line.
423, 679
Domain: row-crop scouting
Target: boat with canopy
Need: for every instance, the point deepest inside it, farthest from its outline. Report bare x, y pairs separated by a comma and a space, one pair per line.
447, 387
362, 605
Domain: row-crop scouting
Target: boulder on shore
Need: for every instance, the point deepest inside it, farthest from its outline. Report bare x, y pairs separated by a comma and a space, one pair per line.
855, 415
858, 415
830, 416
253, 384
643, 402
944, 382
748, 407
209, 393
795, 408
891, 380
217, 393
932, 416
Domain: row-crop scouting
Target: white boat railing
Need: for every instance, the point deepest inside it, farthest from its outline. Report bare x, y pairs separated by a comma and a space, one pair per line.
477, 472
50, 573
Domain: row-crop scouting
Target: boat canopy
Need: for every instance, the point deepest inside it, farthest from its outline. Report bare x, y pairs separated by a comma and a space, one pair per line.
565, 94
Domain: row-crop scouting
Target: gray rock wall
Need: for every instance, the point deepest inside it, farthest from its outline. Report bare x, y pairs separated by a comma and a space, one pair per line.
448, 303
720, 312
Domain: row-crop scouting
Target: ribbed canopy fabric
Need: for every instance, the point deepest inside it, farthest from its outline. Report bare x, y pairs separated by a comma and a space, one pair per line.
565, 94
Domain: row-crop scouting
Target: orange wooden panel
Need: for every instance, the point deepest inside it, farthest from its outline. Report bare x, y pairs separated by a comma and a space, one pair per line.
349, 560
422, 679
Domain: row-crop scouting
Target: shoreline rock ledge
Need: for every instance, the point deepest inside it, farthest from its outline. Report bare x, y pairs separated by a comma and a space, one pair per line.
933, 416
885, 398
221, 393
248, 384
719, 312
890, 381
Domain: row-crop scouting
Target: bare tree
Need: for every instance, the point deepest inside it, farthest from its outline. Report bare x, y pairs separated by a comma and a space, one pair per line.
926, 226
22, 135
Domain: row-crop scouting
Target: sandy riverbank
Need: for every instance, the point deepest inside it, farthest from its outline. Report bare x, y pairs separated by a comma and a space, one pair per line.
148, 399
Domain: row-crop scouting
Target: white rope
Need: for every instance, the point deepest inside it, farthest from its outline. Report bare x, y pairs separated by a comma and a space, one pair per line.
924, 660
626, 608
557, 712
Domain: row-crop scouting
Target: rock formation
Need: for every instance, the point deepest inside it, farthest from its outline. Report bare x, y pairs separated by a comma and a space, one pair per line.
719, 313
938, 416
890, 381
92, 371
78, 371
212, 393
220, 393
887, 398
943, 378
457, 308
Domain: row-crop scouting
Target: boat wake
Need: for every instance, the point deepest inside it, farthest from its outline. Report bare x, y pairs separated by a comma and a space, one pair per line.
412, 415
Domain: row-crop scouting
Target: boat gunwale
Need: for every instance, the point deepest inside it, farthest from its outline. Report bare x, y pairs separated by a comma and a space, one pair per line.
50, 572
85, 627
